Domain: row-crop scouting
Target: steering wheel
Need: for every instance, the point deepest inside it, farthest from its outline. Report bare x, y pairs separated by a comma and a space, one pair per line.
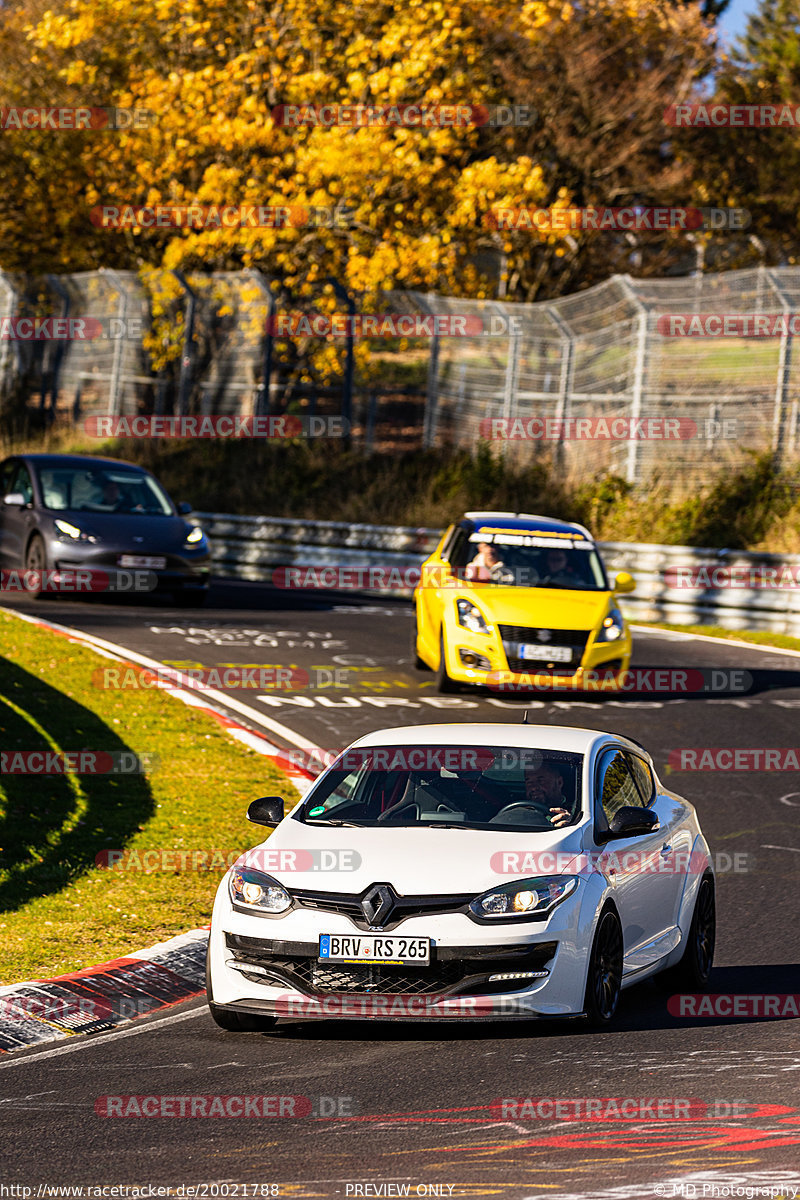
518, 804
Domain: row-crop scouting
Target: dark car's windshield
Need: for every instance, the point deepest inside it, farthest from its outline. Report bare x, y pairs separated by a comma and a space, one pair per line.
528, 559
470, 787
102, 489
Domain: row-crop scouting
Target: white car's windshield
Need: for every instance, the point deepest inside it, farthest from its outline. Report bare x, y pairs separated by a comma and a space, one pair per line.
470, 787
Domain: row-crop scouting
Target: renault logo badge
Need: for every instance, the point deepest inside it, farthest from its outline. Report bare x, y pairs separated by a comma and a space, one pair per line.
377, 904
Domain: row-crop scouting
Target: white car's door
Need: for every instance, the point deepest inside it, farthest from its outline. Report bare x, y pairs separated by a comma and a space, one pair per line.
643, 891
676, 840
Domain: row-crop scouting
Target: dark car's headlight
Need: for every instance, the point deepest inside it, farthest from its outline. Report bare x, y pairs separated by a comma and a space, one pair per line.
65, 532
258, 892
471, 617
613, 627
523, 898
195, 538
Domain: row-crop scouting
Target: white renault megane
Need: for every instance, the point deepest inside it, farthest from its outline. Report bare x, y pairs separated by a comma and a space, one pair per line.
465, 871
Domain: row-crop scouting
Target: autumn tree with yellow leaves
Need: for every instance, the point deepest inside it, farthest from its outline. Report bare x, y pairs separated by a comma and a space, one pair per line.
212, 73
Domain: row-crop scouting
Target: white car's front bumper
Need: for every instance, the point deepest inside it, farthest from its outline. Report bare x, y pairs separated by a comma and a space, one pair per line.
456, 985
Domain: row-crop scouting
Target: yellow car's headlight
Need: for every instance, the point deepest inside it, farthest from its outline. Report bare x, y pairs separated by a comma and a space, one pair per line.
471, 617
613, 627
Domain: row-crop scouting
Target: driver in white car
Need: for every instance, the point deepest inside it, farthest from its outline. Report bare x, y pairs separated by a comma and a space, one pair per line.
544, 788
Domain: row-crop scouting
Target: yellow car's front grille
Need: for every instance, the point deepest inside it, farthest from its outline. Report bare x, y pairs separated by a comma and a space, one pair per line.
515, 636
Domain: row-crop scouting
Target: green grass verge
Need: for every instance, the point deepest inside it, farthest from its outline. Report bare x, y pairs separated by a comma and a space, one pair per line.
58, 910
755, 637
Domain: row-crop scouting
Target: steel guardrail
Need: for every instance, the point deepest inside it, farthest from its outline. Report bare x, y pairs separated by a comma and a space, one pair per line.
245, 547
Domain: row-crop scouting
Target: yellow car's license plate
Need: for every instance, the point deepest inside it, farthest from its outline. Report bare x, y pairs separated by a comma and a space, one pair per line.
545, 653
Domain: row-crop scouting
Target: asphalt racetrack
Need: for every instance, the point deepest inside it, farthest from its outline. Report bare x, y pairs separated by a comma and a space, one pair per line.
403, 1106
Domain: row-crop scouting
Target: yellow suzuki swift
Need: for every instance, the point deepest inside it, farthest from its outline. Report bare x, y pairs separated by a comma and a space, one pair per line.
511, 599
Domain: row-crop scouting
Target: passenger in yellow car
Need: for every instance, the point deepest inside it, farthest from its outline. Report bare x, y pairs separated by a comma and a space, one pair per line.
487, 565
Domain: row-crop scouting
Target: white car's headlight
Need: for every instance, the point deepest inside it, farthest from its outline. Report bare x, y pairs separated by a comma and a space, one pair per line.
471, 617
523, 898
72, 532
258, 892
613, 627
194, 536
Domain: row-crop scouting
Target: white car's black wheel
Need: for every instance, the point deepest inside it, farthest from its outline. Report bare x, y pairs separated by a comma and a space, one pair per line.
235, 1022
694, 968
604, 981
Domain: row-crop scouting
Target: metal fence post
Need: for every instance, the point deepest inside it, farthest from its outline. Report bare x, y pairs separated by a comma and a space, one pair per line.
60, 348
637, 391
781, 409
431, 396
187, 357
347, 382
115, 385
263, 405
567, 376
6, 344
511, 381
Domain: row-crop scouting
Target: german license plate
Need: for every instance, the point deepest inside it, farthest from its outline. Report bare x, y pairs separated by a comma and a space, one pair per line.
141, 560
352, 948
546, 653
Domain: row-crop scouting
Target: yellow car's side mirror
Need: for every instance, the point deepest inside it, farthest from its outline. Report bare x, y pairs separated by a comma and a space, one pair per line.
624, 582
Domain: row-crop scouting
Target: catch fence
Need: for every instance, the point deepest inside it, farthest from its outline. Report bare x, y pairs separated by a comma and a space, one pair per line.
531, 380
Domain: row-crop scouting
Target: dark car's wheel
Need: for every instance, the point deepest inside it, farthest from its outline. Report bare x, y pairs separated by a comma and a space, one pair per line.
415, 658
605, 971
36, 562
189, 597
444, 684
694, 968
235, 1022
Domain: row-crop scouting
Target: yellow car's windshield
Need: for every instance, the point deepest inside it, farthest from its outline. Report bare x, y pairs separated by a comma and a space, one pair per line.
503, 564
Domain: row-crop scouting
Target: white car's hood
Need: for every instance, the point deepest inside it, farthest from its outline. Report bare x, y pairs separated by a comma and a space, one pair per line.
415, 861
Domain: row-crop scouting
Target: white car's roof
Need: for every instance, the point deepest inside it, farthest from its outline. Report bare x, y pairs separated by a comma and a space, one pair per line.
542, 737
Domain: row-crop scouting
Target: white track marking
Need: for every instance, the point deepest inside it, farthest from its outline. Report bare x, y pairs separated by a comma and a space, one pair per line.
295, 739
677, 636
88, 1040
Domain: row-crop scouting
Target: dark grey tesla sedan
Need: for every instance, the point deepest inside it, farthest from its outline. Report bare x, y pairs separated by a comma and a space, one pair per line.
66, 519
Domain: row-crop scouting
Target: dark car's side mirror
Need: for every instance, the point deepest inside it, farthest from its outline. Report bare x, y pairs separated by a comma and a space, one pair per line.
268, 810
15, 500
184, 508
630, 821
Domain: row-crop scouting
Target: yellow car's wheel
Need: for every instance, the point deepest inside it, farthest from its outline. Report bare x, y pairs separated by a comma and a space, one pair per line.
415, 658
444, 684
